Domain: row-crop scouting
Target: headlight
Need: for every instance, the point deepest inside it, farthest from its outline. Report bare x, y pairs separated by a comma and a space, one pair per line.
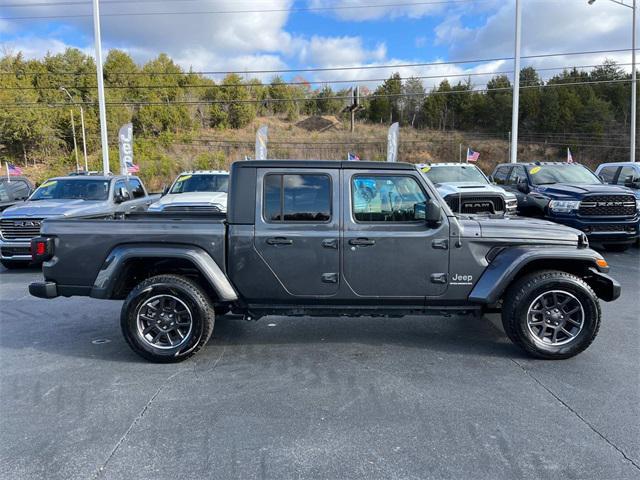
564, 206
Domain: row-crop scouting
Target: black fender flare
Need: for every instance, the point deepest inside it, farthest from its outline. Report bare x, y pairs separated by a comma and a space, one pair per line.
112, 267
508, 263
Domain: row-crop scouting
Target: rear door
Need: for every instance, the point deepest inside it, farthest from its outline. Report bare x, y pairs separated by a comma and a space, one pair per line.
297, 229
387, 252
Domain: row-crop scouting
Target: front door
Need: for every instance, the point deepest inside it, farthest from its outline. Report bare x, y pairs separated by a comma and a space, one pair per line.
297, 230
388, 252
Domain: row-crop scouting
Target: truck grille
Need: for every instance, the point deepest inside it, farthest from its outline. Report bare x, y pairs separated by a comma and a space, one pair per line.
608, 206
476, 204
20, 228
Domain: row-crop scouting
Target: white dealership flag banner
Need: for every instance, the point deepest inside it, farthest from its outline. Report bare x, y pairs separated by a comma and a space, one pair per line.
392, 142
262, 138
569, 156
125, 144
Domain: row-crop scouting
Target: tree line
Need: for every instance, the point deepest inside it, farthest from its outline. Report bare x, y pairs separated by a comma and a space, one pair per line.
583, 106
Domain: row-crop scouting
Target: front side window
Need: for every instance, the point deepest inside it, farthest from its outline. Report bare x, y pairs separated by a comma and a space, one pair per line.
76, 189
297, 198
500, 176
626, 174
608, 173
121, 186
517, 175
136, 188
385, 198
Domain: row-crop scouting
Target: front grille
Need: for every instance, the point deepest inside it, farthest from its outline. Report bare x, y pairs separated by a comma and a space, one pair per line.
608, 206
20, 228
15, 251
611, 227
476, 203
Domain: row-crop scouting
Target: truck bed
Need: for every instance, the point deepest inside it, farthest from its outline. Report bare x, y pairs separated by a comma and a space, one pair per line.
85, 242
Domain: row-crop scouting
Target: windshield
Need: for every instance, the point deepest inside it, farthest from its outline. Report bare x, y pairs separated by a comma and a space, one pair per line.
455, 174
201, 183
549, 174
72, 190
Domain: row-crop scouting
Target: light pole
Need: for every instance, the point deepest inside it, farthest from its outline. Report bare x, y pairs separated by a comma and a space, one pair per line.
516, 86
73, 128
84, 137
633, 74
102, 108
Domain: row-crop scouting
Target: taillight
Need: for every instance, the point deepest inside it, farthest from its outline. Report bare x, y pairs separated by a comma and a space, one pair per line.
41, 249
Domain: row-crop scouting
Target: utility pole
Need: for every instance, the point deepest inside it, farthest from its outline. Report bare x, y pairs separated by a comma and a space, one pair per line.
516, 86
103, 111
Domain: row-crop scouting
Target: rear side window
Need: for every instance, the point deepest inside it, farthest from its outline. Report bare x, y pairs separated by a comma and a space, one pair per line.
136, 188
297, 198
500, 177
608, 174
379, 198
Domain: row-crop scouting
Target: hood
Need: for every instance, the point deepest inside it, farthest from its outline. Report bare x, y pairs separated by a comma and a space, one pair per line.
450, 188
192, 198
523, 228
577, 191
52, 208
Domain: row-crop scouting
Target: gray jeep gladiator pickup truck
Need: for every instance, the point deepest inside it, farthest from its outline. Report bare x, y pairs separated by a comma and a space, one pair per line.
300, 238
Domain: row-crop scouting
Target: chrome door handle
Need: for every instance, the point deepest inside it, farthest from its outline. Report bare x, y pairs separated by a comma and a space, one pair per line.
361, 242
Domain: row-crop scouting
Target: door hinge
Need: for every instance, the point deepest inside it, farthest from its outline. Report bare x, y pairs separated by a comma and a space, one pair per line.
329, 278
438, 278
440, 243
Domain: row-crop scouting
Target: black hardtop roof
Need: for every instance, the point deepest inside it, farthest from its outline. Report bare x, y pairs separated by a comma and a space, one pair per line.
323, 164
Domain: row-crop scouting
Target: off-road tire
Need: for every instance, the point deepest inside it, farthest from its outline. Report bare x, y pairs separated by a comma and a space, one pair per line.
523, 292
187, 291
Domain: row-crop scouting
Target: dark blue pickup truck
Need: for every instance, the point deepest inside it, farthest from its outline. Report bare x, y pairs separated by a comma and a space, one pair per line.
571, 194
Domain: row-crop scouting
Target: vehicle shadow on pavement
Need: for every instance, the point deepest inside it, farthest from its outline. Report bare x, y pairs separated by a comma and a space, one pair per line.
95, 333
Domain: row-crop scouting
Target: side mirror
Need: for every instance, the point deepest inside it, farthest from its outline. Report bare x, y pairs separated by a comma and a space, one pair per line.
165, 189
602, 179
523, 187
632, 182
429, 211
491, 179
121, 195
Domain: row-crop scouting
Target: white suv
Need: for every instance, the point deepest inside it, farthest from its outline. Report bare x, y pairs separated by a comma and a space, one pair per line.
196, 191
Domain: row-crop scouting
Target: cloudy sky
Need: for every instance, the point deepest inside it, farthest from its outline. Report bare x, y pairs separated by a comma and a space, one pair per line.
245, 35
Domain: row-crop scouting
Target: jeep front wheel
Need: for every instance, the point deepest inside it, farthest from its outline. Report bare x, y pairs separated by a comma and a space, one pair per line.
551, 314
167, 318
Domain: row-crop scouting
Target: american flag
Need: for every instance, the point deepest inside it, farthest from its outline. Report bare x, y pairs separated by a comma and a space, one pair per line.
472, 156
13, 170
569, 156
132, 167
352, 157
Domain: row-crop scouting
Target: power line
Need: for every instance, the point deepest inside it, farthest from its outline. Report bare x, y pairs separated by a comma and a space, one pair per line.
303, 82
305, 99
223, 12
332, 69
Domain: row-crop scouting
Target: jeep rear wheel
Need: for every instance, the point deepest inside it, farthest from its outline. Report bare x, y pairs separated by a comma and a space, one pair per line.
167, 318
551, 314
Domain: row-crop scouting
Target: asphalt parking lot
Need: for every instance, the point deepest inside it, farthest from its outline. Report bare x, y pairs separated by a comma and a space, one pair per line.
442, 398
